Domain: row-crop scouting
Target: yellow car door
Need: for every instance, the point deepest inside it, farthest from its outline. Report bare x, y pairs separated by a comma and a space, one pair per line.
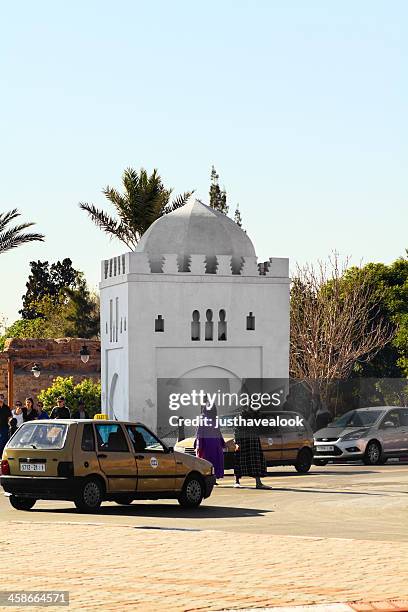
116, 460
156, 466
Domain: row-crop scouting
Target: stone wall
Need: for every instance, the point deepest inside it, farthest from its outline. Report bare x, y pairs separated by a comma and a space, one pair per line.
55, 357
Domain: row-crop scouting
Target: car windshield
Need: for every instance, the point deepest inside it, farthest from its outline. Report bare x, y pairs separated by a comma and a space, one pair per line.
357, 418
39, 435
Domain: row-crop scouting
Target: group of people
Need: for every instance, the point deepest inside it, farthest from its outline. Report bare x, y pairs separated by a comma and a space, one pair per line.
249, 459
12, 418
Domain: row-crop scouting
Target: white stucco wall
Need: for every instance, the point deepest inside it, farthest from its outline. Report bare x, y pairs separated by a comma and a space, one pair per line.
140, 355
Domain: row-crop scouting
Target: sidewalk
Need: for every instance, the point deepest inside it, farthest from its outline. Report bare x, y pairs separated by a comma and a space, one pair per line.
128, 568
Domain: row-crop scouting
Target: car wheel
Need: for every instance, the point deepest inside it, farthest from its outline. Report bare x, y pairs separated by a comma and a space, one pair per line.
126, 500
303, 461
372, 455
192, 493
22, 503
90, 495
320, 461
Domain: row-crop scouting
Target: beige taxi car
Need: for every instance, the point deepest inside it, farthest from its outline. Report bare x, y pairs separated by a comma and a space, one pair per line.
290, 443
91, 461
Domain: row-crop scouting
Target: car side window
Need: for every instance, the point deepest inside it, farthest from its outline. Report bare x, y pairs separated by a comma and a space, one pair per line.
88, 440
403, 415
143, 440
111, 438
391, 419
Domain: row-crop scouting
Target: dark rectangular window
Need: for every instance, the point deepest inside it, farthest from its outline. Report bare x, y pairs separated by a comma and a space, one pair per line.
111, 438
88, 440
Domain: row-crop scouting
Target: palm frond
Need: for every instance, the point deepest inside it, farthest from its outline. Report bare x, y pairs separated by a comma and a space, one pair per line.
178, 202
11, 239
14, 236
143, 200
6, 217
105, 222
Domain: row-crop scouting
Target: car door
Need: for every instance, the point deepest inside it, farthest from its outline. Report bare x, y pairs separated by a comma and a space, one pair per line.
156, 466
116, 460
293, 438
271, 443
391, 433
403, 415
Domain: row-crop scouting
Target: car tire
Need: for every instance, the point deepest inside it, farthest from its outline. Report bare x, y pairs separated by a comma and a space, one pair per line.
90, 495
192, 493
320, 461
126, 500
22, 503
303, 461
373, 453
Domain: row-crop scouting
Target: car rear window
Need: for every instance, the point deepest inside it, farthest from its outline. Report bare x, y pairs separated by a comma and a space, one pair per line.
39, 435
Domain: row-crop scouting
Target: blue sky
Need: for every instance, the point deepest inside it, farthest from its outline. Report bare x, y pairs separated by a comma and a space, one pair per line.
301, 106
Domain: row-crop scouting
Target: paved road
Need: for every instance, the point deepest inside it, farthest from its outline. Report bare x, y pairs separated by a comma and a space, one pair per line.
341, 501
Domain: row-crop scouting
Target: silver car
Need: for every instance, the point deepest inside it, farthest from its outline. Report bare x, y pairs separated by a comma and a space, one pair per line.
371, 434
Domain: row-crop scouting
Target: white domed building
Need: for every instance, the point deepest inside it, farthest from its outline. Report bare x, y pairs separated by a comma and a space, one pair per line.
190, 302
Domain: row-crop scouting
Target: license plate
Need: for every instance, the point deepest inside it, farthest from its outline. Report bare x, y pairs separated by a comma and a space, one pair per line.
32, 467
324, 448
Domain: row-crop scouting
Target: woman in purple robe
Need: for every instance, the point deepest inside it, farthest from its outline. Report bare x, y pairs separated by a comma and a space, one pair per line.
209, 442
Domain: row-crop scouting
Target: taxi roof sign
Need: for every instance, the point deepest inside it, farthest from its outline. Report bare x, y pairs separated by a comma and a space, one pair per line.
100, 416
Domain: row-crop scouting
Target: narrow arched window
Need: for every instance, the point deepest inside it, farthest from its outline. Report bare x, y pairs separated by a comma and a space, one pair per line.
250, 320
209, 325
159, 324
195, 326
222, 326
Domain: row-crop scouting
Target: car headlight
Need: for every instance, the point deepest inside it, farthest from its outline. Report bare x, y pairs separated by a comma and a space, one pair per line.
354, 435
180, 449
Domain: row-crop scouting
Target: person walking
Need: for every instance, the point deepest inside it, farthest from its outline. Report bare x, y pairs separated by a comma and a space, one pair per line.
17, 413
209, 442
249, 458
41, 413
5, 414
29, 412
80, 412
60, 411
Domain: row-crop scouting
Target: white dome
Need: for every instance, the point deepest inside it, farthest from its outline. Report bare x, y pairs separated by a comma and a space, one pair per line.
196, 229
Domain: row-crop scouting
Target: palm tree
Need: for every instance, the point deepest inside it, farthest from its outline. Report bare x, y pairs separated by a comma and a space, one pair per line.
12, 237
144, 200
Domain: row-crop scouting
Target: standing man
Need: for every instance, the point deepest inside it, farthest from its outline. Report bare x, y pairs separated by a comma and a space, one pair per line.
81, 413
60, 411
5, 414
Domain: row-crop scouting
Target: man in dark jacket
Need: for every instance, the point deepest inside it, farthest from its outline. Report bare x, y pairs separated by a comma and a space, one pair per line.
5, 414
80, 413
60, 411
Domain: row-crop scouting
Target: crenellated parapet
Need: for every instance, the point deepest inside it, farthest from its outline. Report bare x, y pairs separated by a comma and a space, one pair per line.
194, 265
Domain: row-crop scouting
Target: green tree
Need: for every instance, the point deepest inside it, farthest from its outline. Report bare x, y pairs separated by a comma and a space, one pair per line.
389, 289
88, 390
238, 217
51, 321
72, 312
82, 319
218, 196
144, 199
13, 237
48, 280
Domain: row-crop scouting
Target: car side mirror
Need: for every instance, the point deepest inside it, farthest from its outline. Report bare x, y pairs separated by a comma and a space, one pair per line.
388, 424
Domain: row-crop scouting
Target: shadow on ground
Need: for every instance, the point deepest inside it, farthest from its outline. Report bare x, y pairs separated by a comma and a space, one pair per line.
162, 511
322, 472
